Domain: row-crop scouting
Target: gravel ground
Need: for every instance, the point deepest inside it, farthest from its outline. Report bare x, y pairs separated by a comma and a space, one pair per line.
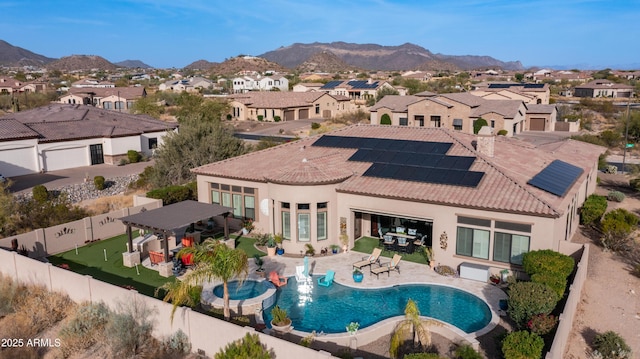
86, 191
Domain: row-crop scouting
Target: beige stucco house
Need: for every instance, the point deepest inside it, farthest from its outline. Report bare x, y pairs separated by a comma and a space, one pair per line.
475, 199
116, 98
530, 93
287, 106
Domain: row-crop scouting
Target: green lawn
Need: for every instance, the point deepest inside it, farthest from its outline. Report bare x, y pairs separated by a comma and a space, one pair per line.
246, 244
367, 244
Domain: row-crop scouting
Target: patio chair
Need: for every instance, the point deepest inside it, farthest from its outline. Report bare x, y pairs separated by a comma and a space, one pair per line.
156, 257
277, 280
388, 267
389, 242
327, 280
187, 242
368, 260
402, 244
302, 272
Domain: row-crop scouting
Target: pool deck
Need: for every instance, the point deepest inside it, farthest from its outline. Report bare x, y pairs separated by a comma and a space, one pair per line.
410, 273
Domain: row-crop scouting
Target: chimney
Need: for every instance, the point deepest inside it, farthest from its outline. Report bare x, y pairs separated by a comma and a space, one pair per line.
485, 143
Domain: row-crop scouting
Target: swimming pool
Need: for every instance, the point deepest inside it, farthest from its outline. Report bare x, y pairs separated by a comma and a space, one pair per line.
331, 309
248, 289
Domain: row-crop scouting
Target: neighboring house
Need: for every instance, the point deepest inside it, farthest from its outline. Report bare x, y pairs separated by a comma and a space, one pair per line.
603, 88
60, 136
287, 106
117, 98
483, 200
247, 83
357, 90
316, 76
541, 118
9, 86
93, 83
538, 93
307, 86
456, 111
191, 84
418, 75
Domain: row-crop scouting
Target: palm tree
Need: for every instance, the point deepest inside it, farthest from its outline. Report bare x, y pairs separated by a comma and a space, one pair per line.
212, 260
412, 324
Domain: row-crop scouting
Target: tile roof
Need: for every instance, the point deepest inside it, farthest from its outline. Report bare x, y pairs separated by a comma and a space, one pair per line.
124, 92
503, 187
62, 122
506, 108
539, 108
11, 129
396, 102
277, 99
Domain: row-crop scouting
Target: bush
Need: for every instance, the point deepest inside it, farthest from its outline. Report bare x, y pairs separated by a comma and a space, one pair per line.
635, 184
527, 299
133, 156
315, 125
465, 351
547, 261
38, 309
128, 333
552, 280
172, 194
445, 271
542, 324
40, 193
8, 291
522, 345
616, 196
176, 345
248, 347
611, 169
260, 118
478, 124
617, 227
276, 118
98, 182
610, 345
385, 119
84, 329
502, 132
593, 209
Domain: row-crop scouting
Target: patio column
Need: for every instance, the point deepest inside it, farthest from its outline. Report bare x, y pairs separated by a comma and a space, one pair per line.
226, 225
165, 239
130, 247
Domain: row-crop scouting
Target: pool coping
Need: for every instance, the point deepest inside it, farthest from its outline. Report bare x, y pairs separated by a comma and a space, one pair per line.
208, 298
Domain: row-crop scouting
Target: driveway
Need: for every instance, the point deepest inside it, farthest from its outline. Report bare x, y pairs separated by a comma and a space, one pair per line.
56, 179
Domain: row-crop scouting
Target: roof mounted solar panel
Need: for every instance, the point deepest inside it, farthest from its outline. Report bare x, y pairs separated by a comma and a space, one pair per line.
556, 178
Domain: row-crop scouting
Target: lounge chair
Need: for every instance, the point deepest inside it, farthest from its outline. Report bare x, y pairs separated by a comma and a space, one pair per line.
388, 267
277, 280
327, 280
369, 260
302, 272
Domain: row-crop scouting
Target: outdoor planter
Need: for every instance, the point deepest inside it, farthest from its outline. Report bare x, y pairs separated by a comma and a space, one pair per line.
279, 251
357, 276
271, 251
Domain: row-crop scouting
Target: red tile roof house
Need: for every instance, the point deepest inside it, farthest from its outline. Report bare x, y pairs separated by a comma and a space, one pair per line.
116, 98
479, 199
60, 136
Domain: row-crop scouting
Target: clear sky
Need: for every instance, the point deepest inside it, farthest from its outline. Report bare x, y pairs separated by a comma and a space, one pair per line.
175, 33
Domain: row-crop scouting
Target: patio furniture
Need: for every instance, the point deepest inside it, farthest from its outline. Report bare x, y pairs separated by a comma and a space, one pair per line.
327, 280
388, 267
188, 242
420, 240
302, 272
402, 244
389, 242
412, 231
156, 257
277, 280
368, 260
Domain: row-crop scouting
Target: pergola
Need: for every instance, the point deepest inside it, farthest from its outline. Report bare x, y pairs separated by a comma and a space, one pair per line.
169, 219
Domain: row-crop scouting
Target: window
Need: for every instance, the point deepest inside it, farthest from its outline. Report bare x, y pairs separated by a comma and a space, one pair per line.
457, 124
472, 242
404, 121
493, 124
107, 105
153, 143
510, 248
241, 199
237, 205
130, 104
250, 207
419, 120
215, 197
286, 220
304, 227
317, 109
321, 221
435, 121
119, 105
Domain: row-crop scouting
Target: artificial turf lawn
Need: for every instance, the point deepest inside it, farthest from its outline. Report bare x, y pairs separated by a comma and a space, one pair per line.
367, 244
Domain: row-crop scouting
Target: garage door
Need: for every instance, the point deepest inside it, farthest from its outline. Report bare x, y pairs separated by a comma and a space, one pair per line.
304, 114
18, 161
537, 124
65, 158
289, 115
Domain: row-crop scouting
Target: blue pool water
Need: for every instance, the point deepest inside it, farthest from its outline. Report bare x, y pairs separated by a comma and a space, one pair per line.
331, 309
248, 289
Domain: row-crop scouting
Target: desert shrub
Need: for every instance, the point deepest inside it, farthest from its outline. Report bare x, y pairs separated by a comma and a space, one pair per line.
133, 156
315, 125
466, 351
122, 162
542, 324
260, 117
172, 194
8, 291
610, 345
84, 328
40, 193
479, 124
617, 227
502, 132
98, 182
522, 345
615, 196
611, 169
635, 183
248, 347
445, 270
128, 332
551, 280
547, 261
144, 178
176, 345
385, 119
276, 118
527, 299
593, 209
38, 309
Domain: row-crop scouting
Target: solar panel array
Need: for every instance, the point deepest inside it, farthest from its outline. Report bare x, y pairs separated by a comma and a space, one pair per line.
331, 84
556, 178
506, 86
361, 84
419, 161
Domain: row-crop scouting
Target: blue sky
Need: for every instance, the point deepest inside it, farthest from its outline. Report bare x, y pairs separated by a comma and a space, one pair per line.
175, 33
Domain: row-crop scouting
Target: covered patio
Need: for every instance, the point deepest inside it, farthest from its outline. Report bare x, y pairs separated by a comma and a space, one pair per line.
167, 221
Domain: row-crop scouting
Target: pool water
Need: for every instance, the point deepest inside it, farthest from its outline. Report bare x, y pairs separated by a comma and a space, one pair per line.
331, 309
248, 289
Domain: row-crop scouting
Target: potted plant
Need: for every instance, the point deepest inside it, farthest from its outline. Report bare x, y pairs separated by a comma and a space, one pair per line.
259, 263
280, 320
344, 239
271, 247
247, 226
334, 248
310, 251
278, 238
428, 253
352, 328
357, 275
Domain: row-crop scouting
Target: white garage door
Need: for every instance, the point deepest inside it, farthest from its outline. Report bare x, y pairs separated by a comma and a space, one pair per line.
65, 158
18, 162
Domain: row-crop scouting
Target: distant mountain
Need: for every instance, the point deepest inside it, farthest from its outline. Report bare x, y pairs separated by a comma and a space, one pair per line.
200, 65
324, 61
16, 56
133, 64
245, 63
377, 57
81, 62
